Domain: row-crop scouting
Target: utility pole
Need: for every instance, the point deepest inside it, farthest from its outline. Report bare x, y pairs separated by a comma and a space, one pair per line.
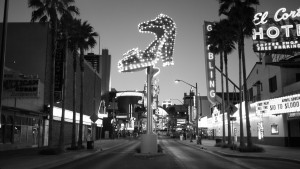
3, 53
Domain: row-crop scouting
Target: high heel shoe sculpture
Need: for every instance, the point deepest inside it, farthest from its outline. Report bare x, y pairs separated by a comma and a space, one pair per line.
162, 47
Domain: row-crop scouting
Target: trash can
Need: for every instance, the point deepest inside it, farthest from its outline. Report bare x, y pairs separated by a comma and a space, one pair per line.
181, 137
90, 144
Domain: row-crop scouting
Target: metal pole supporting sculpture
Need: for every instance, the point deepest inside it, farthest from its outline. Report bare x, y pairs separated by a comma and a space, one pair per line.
162, 47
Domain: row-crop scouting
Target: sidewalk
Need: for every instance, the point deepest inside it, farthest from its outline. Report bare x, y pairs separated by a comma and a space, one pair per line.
291, 154
29, 158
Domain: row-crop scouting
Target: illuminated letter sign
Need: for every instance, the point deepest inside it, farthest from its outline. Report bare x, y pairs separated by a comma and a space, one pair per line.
282, 105
270, 32
210, 65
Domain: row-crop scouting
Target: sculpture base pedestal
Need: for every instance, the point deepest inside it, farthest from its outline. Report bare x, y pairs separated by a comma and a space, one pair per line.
149, 144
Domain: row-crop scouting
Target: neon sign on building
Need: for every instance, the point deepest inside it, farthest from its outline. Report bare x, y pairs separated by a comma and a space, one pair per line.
278, 33
210, 65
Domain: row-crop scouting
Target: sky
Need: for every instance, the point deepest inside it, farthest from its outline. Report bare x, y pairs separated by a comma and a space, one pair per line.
116, 21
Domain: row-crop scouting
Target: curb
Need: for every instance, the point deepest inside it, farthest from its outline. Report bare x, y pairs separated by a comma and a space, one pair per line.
80, 155
243, 156
243, 165
258, 157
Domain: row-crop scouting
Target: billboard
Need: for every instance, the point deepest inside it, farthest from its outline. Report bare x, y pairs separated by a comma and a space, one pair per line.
22, 86
209, 65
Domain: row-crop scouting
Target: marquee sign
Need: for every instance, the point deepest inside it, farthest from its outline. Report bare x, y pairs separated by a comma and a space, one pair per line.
181, 121
209, 65
278, 33
282, 105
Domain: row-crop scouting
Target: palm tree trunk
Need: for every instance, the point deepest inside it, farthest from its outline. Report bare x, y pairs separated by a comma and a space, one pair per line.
249, 139
81, 98
2, 55
242, 143
73, 144
62, 126
222, 84
52, 81
227, 92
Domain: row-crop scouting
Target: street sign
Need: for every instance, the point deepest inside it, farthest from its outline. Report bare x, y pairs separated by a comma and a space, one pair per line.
232, 118
94, 117
231, 108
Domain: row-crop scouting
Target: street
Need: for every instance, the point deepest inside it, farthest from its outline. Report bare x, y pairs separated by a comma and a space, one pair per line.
190, 158
123, 156
176, 156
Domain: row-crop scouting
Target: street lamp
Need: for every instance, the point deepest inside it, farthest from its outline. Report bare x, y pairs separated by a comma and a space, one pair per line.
197, 107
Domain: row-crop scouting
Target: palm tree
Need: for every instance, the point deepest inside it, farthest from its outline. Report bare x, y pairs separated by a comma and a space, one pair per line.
65, 26
241, 13
50, 11
76, 38
86, 40
229, 38
73, 42
222, 39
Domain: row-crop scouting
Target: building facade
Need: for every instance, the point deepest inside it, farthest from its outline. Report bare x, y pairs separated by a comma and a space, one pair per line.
25, 113
166, 103
93, 60
274, 101
105, 69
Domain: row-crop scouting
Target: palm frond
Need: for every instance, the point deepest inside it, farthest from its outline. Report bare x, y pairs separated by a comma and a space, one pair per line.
35, 4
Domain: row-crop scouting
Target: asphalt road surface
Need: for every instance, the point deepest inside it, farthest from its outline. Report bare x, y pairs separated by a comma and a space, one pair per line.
176, 156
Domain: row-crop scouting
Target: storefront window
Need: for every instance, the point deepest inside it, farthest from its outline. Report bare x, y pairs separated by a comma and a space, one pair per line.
274, 129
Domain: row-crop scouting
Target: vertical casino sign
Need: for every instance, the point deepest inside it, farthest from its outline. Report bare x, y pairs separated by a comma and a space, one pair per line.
209, 65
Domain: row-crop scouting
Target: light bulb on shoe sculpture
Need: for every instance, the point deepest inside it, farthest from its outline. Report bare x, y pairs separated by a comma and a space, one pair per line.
162, 47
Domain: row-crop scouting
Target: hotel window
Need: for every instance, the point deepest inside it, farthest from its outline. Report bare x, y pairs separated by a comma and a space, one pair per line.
272, 84
250, 93
258, 90
261, 87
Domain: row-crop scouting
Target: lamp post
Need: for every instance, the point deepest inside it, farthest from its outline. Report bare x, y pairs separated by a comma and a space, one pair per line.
197, 107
